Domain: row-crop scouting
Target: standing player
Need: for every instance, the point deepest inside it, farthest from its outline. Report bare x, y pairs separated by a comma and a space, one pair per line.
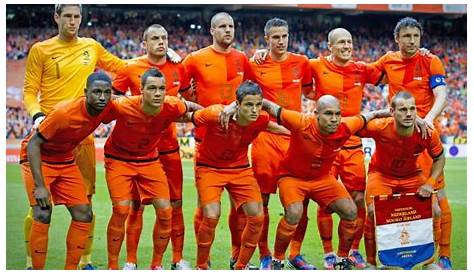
284, 77
393, 167
155, 39
133, 170
338, 75
222, 162
50, 172
424, 77
305, 171
217, 72
57, 70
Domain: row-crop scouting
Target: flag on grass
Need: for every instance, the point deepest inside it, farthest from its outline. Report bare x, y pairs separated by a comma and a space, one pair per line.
403, 229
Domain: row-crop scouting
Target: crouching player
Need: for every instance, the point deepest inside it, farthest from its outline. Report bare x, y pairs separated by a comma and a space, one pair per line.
51, 174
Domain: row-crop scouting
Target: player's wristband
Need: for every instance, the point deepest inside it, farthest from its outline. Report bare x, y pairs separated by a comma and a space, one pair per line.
431, 181
38, 115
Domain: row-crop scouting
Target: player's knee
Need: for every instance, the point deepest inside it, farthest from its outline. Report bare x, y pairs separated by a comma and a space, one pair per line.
370, 212
81, 213
436, 210
212, 210
358, 198
161, 203
42, 215
293, 213
349, 212
253, 208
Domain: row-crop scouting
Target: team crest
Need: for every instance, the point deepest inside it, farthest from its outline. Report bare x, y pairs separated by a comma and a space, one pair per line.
86, 58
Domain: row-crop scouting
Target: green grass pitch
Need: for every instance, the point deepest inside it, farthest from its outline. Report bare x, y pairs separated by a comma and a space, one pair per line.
17, 207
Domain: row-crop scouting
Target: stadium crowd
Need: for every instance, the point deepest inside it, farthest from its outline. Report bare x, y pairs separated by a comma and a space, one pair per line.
120, 32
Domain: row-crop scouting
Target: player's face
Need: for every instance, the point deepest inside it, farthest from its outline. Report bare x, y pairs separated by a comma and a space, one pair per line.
329, 119
157, 42
154, 91
277, 40
408, 40
405, 112
98, 95
250, 107
223, 31
69, 21
341, 47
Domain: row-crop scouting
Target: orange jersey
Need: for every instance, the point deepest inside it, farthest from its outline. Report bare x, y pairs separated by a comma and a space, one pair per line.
396, 155
225, 148
282, 82
129, 78
417, 75
311, 154
136, 135
217, 76
67, 125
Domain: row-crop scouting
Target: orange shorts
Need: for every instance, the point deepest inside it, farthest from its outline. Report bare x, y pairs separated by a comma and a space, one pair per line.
240, 183
268, 150
349, 166
324, 190
63, 181
173, 168
127, 179
426, 162
380, 184
84, 155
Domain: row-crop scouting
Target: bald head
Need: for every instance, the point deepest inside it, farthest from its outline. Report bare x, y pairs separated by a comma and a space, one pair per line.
335, 34
219, 16
327, 101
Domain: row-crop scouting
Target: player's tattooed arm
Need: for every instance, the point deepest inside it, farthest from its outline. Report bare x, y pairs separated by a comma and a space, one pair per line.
277, 129
272, 108
191, 106
376, 114
226, 114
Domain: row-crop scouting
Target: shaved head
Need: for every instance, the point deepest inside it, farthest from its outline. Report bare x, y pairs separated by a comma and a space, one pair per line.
326, 101
218, 16
336, 33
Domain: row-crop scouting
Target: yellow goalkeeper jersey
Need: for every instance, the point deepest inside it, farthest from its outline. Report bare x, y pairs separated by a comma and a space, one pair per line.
57, 70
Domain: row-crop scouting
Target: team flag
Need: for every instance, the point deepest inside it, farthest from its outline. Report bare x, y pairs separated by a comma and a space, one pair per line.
403, 229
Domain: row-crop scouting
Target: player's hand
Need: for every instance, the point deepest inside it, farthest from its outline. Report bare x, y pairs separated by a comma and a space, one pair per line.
38, 118
226, 114
425, 190
424, 51
41, 195
173, 56
259, 56
423, 127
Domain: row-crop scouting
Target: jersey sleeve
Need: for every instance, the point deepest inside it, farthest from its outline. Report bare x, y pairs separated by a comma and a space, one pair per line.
53, 122
371, 128
188, 64
249, 74
111, 111
32, 83
373, 74
354, 123
307, 80
436, 147
107, 60
437, 73
292, 120
177, 107
121, 82
379, 64
184, 79
206, 116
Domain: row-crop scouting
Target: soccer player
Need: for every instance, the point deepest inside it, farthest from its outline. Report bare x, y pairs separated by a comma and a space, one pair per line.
338, 75
155, 39
51, 174
424, 77
57, 70
394, 167
222, 162
305, 171
284, 78
217, 72
132, 166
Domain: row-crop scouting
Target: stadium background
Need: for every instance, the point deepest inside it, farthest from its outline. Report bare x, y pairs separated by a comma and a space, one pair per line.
119, 28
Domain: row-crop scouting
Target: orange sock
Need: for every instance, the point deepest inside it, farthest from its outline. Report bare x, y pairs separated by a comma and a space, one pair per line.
161, 234
115, 234
263, 241
446, 223
285, 233
237, 221
134, 230
205, 239
39, 244
250, 237
76, 243
197, 220
346, 232
325, 227
369, 240
297, 241
177, 233
359, 227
